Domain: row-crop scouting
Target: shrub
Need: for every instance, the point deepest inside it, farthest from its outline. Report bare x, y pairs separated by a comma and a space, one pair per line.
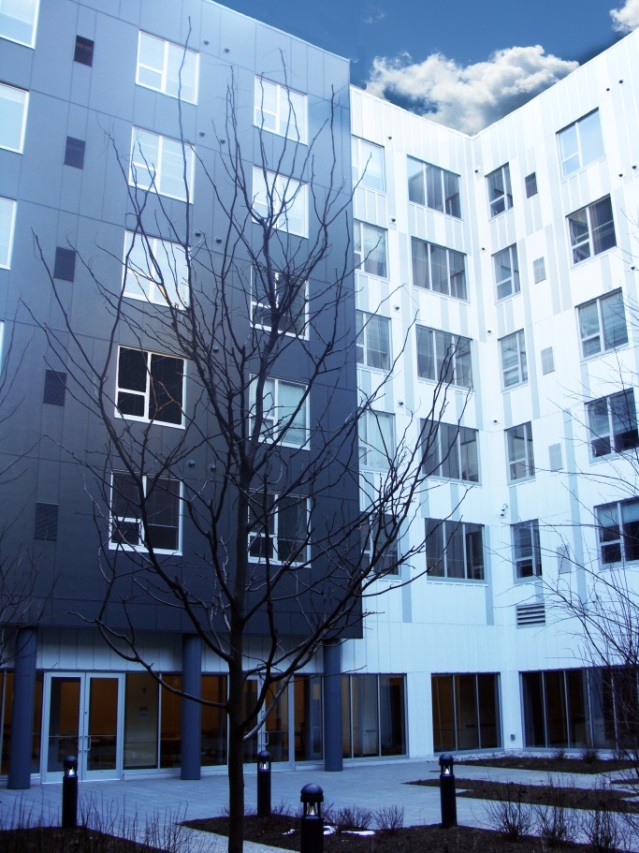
390, 819
510, 816
353, 817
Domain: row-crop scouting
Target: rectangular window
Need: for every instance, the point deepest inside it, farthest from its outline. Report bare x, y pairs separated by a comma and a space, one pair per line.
7, 224
451, 451
285, 415
369, 247
433, 187
519, 444
155, 270
14, 104
531, 184
376, 435
539, 270
373, 341
161, 164
506, 267
526, 549
279, 529
514, 368
280, 201
443, 357
64, 266
379, 540
280, 298
592, 230
373, 715
83, 51
145, 513
602, 324
74, 152
500, 194
439, 269
168, 68
150, 387
612, 422
18, 20
580, 143
280, 110
465, 711
368, 165
55, 384
454, 549
46, 522
618, 531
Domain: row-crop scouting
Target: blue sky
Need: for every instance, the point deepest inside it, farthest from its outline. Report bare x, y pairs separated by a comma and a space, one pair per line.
465, 62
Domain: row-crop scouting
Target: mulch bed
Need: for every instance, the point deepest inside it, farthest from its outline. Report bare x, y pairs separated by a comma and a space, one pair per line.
47, 839
550, 763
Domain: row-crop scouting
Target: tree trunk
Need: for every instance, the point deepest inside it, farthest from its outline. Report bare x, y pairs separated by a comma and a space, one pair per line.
236, 759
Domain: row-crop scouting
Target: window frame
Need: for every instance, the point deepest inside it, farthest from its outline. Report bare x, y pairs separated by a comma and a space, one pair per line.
524, 459
532, 556
363, 154
154, 171
274, 432
33, 25
604, 412
601, 335
508, 284
273, 512
23, 101
370, 534
159, 254
452, 460
366, 259
289, 125
278, 213
377, 327
115, 521
427, 280
615, 535
437, 566
530, 182
500, 191
147, 394
452, 368
11, 209
376, 440
261, 305
521, 367
584, 237
434, 186
577, 153
169, 51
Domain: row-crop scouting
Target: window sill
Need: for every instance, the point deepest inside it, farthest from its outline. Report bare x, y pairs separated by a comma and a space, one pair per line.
136, 549
119, 416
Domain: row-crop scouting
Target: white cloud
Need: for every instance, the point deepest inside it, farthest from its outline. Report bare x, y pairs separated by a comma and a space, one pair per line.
626, 19
472, 96
373, 15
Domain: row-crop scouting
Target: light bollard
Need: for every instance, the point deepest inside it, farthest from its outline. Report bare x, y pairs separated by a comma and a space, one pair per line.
312, 834
70, 793
264, 784
447, 790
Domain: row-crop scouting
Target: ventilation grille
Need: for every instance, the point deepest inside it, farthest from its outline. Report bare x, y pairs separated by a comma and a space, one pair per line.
531, 614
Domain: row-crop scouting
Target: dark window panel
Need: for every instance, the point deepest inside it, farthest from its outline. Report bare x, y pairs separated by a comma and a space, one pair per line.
83, 51
64, 267
55, 383
46, 522
74, 152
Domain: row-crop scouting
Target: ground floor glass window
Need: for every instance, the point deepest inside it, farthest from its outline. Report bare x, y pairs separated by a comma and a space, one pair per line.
373, 715
465, 711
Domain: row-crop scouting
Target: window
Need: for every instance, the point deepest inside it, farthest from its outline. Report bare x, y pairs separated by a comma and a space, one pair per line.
506, 272
547, 360
279, 529
514, 368
451, 451
376, 434
161, 164
531, 184
280, 110
444, 357
282, 296
592, 230
83, 51
612, 422
519, 444
64, 266
368, 165
55, 384
7, 223
526, 549
454, 549
373, 715
439, 269
18, 19
150, 387
46, 522
379, 537
618, 531
145, 513
155, 270
433, 187
500, 194
280, 200
602, 324
74, 152
168, 68
369, 246
13, 117
373, 340
580, 143
539, 270
465, 711
285, 417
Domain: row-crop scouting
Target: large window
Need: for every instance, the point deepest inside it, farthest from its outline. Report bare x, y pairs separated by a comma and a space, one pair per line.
592, 230
451, 451
379, 537
7, 223
439, 269
618, 531
281, 200
277, 297
612, 422
279, 529
373, 715
580, 143
465, 711
526, 549
376, 434
168, 68
506, 268
514, 367
555, 708
18, 19
145, 512
519, 444
433, 187
369, 247
602, 324
285, 417
500, 194
280, 110
373, 340
454, 549
444, 357
150, 387
368, 165
161, 164
13, 117
155, 270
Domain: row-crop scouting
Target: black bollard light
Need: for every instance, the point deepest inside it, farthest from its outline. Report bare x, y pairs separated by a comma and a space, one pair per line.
70, 793
447, 790
264, 784
312, 835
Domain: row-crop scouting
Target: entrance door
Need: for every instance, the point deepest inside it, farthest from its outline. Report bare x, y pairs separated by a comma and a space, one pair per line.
83, 717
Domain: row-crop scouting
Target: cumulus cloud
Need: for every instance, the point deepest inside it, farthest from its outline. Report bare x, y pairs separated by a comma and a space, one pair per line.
373, 15
469, 97
626, 19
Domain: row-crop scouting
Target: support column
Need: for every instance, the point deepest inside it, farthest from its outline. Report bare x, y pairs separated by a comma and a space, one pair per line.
191, 711
24, 680
333, 706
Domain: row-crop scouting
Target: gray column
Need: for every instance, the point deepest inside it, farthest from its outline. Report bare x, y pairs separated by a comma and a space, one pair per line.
24, 679
191, 711
333, 706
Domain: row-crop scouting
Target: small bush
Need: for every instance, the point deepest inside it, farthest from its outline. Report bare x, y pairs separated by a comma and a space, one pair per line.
558, 754
602, 830
510, 816
353, 817
589, 755
390, 819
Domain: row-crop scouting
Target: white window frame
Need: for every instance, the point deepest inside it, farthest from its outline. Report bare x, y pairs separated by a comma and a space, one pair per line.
8, 207
15, 95
585, 234
147, 394
450, 356
373, 533
613, 536
597, 341
370, 249
376, 436
260, 307
373, 342
429, 186
520, 453
369, 170
500, 192
30, 21
437, 565
528, 563
280, 110
447, 452
612, 424
155, 270
281, 201
572, 142
177, 72
455, 280
506, 269
516, 372
279, 424
136, 520
275, 502
147, 174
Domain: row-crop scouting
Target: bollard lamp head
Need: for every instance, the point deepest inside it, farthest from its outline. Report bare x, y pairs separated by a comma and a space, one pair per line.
312, 797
